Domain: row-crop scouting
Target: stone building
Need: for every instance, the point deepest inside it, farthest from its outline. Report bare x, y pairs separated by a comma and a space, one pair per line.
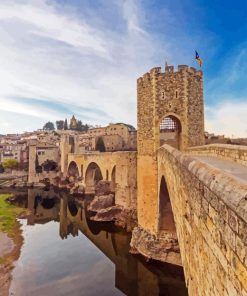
18, 151
44, 161
47, 152
116, 137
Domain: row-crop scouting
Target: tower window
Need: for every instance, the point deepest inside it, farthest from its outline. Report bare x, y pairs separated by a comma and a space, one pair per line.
169, 124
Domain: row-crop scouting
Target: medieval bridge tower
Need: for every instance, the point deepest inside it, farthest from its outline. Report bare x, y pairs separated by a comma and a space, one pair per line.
170, 110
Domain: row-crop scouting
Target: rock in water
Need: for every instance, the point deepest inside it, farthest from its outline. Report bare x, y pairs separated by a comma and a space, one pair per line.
109, 214
103, 188
101, 202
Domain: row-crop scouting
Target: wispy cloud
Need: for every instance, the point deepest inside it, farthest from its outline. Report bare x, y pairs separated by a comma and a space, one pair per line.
84, 59
50, 53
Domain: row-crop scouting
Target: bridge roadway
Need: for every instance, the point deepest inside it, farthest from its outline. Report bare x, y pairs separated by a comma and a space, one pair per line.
236, 170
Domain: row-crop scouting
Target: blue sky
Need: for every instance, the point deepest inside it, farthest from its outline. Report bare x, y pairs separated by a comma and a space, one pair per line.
83, 57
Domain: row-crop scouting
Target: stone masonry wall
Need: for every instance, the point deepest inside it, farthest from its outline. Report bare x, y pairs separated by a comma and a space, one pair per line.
125, 165
210, 211
159, 95
231, 152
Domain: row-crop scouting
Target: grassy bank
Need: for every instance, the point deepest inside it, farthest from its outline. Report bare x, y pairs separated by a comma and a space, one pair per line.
9, 225
8, 215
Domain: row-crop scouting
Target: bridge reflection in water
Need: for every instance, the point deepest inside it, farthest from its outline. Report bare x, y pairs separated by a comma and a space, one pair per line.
133, 276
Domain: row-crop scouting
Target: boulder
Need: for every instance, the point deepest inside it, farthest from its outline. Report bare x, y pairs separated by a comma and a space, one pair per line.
101, 202
108, 214
103, 188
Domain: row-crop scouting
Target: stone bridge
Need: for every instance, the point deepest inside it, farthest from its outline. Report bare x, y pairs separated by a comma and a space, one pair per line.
191, 200
202, 200
117, 167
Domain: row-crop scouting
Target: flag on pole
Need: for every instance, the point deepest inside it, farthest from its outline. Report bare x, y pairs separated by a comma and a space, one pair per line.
199, 60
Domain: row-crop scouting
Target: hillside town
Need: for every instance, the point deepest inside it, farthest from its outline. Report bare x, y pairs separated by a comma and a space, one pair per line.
14, 148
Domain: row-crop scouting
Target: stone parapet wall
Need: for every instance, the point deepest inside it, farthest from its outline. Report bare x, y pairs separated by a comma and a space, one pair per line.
226, 151
210, 212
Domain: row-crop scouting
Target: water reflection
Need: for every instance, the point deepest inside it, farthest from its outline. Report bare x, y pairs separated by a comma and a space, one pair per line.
88, 258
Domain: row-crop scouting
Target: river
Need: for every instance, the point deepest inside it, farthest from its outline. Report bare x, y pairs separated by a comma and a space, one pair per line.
65, 253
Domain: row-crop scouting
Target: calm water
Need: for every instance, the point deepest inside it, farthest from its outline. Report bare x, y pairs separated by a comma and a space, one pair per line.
64, 253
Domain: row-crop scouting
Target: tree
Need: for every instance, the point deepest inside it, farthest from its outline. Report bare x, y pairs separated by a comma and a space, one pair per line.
10, 164
49, 126
49, 165
79, 126
60, 124
65, 127
100, 145
86, 127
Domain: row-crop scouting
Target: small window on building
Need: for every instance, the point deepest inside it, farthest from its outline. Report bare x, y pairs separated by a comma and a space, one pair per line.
176, 93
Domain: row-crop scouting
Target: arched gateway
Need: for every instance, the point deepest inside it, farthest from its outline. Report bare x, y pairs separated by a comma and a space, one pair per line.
170, 131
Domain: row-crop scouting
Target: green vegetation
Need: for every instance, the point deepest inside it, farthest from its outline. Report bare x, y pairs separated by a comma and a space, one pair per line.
49, 126
60, 124
100, 146
10, 164
8, 215
10, 225
65, 127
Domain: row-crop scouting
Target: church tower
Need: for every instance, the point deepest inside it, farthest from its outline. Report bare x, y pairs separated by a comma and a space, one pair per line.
73, 123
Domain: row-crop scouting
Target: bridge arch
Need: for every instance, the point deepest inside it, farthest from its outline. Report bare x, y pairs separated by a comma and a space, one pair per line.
170, 129
92, 176
166, 218
113, 179
73, 169
73, 209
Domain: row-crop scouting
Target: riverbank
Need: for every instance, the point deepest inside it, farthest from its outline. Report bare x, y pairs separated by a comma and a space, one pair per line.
10, 240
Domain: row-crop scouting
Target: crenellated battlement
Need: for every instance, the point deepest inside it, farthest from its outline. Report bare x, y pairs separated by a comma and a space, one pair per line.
169, 70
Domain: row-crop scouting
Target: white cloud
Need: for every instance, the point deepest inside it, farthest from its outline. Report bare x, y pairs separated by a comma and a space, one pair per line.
52, 53
228, 118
